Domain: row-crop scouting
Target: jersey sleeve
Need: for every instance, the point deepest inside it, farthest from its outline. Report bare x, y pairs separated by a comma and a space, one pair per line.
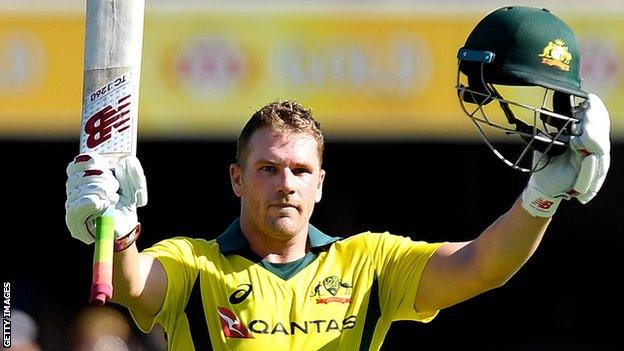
399, 263
178, 259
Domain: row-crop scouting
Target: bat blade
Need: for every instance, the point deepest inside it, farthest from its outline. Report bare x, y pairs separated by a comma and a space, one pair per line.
111, 80
112, 72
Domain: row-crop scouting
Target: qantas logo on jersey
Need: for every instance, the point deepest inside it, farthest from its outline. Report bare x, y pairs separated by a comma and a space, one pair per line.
233, 328
332, 289
99, 127
259, 326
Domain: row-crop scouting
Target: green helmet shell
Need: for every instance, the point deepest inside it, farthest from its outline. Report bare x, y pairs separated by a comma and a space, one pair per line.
531, 47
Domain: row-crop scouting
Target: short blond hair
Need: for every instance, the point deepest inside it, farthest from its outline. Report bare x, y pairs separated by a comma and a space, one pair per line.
281, 115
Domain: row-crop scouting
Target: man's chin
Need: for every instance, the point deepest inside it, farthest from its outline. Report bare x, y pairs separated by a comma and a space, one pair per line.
286, 226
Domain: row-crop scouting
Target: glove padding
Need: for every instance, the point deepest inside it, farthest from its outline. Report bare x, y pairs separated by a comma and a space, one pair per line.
92, 187
580, 171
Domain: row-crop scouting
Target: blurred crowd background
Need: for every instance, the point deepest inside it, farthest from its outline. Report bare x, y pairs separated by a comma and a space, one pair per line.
400, 155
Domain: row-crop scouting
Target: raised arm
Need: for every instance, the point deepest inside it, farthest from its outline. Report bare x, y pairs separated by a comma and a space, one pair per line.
139, 281
459, 271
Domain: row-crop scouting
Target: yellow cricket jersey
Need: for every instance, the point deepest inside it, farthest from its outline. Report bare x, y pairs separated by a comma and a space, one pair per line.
342, 295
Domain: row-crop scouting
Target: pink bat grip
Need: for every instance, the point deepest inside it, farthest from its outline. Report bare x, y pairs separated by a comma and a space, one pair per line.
102, 283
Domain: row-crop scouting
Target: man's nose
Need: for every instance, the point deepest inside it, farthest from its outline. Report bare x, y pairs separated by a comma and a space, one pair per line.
287, 181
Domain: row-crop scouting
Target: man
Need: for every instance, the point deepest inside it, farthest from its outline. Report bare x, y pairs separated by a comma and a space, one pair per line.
272, 281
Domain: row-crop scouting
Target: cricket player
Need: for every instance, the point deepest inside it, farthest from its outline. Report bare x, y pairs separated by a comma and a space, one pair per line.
272, 281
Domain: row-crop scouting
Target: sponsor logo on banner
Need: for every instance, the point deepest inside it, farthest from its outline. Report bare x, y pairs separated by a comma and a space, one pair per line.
398, 67
206, 66
22, 62
604, 71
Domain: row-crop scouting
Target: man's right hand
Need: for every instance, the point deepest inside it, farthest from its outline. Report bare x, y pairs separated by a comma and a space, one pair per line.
92, 188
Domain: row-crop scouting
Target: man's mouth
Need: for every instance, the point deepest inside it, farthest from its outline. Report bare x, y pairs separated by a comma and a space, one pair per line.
285, 206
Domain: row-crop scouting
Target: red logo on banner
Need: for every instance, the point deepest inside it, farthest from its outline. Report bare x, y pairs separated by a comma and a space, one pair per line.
99, 127
232, 327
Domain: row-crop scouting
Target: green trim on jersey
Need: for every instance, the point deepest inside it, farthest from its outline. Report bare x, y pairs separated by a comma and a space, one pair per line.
287, 270
233, 241
345, 299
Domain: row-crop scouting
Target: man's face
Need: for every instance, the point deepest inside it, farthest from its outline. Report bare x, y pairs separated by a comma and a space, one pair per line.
279, 182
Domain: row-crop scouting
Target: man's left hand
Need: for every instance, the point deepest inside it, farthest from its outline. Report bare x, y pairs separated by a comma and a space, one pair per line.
580, 171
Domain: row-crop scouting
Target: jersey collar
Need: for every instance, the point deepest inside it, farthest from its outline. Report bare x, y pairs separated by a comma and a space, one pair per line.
233, 240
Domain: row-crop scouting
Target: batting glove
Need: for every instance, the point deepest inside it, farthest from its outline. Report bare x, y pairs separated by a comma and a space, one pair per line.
92, 187
580, 171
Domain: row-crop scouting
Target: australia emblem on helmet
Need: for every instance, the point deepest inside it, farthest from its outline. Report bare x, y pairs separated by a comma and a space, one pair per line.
556, 54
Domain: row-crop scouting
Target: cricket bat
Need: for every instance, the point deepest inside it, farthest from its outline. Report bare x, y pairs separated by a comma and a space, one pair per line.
110, 106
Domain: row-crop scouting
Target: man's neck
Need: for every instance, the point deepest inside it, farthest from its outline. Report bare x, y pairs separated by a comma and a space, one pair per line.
273, 249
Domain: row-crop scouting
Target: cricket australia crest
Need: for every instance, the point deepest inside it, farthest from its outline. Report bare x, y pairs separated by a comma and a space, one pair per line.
556, 54
332, 289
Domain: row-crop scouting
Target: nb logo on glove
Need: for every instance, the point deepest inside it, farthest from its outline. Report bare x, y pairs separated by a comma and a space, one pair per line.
542, 204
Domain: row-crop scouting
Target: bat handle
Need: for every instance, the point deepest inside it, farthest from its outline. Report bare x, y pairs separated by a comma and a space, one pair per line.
102, 283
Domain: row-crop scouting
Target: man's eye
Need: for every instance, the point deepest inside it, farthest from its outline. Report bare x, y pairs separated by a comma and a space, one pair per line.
300, 171
267, 168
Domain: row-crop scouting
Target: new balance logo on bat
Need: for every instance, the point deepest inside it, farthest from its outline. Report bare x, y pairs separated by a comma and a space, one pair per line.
99, 127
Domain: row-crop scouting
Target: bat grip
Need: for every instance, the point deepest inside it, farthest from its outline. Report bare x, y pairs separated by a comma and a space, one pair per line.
102, 283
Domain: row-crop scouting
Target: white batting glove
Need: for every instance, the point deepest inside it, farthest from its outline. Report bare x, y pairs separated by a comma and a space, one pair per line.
92, 188
580, 171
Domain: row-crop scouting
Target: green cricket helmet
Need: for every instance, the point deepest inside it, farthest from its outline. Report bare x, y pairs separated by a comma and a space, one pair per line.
522, 47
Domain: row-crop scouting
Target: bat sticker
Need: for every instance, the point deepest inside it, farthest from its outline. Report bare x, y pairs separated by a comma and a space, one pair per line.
107, 113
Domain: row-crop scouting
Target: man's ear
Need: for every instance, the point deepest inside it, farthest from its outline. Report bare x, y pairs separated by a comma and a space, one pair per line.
236, 179
319, 190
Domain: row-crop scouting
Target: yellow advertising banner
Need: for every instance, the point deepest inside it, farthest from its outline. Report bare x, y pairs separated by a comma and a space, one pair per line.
362, 75
40, 73
365, 74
